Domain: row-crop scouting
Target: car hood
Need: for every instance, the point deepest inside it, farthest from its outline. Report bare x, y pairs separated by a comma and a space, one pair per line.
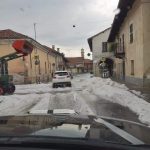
75, 126
65, 130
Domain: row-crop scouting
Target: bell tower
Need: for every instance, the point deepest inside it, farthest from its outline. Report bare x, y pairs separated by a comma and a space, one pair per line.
82, 52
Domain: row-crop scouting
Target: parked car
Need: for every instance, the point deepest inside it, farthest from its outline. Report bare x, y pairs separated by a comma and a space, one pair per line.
61, 79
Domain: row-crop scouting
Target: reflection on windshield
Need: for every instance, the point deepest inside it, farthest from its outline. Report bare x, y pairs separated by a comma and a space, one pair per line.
72, 126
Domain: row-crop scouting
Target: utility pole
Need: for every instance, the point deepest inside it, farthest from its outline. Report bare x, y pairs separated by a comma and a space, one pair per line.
34, 24
34, 31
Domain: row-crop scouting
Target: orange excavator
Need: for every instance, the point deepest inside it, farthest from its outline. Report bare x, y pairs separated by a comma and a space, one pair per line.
22, 48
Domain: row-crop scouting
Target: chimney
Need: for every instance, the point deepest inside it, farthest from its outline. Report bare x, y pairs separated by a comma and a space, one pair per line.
53, 47
82, 52
58, 49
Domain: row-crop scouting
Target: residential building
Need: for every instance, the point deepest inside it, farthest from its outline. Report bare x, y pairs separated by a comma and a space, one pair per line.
79, 64
130, 33
57, 60
88, 65
75, 64
100, 51
37, 67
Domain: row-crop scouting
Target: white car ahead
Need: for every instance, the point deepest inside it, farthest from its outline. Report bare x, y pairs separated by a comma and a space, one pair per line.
61, 79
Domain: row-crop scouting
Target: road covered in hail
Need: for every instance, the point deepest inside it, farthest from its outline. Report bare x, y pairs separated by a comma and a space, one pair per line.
87, 96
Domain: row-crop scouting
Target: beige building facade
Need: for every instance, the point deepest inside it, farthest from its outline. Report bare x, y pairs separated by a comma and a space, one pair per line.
131, 32
37, 67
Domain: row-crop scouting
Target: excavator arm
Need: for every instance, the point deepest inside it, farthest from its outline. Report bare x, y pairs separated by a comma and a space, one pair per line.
22, 48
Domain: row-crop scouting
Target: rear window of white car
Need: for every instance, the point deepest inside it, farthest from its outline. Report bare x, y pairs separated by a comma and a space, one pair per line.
61, 73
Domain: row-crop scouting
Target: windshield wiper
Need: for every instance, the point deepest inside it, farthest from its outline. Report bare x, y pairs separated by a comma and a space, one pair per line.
130, 138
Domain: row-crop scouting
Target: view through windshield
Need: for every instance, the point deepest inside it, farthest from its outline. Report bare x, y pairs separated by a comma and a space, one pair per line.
75, 69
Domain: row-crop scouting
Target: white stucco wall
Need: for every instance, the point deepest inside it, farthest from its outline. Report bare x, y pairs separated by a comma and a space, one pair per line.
97, 41
97, 44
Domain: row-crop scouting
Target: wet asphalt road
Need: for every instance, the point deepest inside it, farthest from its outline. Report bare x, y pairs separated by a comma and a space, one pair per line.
108, 109
103, 107
99, 106
84, 102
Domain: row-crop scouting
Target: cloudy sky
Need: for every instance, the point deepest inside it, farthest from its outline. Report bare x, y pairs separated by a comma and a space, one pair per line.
55, 19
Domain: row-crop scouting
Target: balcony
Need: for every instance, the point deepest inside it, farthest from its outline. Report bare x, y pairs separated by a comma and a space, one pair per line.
117, 49
120, 51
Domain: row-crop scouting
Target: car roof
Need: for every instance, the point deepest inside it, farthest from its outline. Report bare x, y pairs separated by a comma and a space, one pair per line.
60, 71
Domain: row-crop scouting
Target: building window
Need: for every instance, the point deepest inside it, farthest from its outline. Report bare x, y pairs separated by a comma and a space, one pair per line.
132, 67
123, 42
45, 68
120, 41
104, 47
39, 66
131, 33
50, 67
120, 44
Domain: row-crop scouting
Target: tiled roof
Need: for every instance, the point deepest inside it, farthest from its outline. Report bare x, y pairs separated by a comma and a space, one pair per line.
124, 6
75, 60
10, 34
88, 61
53, 51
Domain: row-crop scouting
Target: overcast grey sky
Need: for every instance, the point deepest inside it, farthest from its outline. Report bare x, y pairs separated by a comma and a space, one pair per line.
55, 19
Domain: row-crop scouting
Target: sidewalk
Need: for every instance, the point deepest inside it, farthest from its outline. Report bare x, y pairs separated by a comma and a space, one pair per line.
145, 91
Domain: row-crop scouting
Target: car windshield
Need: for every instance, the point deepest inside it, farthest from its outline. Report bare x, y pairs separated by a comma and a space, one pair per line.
75, 69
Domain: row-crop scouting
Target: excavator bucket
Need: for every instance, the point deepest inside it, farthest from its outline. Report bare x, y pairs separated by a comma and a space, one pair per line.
23, 46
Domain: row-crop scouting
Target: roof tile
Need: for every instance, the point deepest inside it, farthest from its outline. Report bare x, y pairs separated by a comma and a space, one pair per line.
10, 34
75, 60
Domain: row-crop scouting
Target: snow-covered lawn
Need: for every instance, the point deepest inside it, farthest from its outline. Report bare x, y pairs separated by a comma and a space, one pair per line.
42, 96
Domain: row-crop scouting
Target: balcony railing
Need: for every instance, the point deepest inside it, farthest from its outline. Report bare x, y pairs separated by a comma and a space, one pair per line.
120, 51
117, 48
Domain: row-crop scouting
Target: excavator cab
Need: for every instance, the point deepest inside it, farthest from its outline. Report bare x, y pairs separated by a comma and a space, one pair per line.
22, 48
